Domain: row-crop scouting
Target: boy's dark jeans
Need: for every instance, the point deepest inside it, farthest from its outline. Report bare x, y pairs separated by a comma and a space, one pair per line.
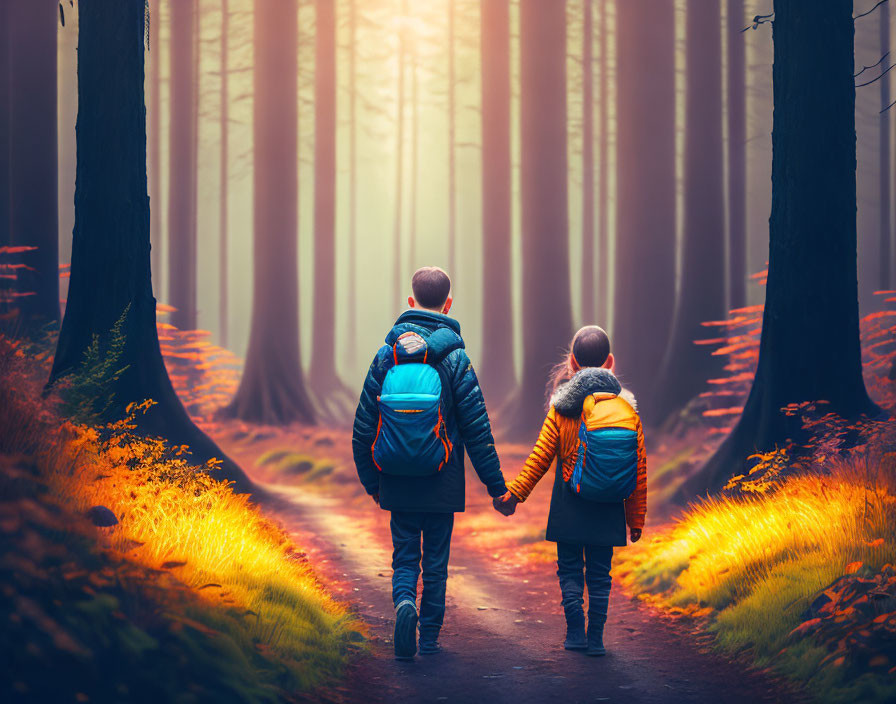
581, 564
408, 527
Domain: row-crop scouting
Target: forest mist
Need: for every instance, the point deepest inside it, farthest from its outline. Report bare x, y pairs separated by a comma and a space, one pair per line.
385, 29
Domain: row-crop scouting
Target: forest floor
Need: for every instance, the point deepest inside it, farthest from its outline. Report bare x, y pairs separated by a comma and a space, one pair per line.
504, 626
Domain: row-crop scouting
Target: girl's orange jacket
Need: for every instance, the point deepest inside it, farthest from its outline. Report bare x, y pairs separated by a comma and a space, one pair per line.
559, 438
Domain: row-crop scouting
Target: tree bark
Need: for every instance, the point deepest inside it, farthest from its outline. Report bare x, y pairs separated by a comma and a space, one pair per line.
352, 317
272, 389
737, 159
603, 231
809, 350
452, 146
885, 254
588, 291
397, 284
323, 356
111, 250
645, 167
33, 215
5, 100
547, 322
153, 116
496, 373
701, 298
182, 165
223, 177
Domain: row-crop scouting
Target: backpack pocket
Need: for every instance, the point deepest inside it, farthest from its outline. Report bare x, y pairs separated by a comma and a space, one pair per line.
606, 470
411, 439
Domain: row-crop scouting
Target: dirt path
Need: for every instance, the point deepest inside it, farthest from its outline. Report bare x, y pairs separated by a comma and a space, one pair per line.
504, 625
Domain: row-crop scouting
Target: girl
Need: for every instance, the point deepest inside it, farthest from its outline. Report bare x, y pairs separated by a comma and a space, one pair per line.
588, 410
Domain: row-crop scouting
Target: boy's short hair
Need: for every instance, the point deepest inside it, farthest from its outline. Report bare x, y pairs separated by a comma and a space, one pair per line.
591, 346
431, 286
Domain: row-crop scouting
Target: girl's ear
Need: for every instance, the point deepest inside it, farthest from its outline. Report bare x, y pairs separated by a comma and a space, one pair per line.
610, 363
572, 363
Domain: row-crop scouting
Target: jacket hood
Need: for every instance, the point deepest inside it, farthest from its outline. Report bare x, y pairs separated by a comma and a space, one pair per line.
569, 397
442, 334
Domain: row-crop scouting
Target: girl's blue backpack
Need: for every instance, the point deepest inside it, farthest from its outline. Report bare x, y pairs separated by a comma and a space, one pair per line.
606, 469
411, 437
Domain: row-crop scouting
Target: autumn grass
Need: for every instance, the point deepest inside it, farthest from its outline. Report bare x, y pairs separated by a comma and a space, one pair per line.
753, 564
248, 595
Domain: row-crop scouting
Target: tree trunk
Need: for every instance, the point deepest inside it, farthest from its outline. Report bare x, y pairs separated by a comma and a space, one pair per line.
496, 373
182, 166
645, 166
547, 323
415, 140
272, 389
153, 116
809, 349
884, 151
452, 148
588, 291
110, 248
223, 177
686, 366
351, 309
603, 232
737, 159
5, 100
397, 283
33, 217
323, 356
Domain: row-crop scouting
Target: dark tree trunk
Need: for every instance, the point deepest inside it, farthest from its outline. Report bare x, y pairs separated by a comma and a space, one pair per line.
351, 314
154, 153
272, 389
33, 218
452, 147
397, 283
547, 320
224, 176
496, 373
182, 165
810, 331
589, 294
110, 248
5, 100
603, 200
701, 298
323, 356
645, 166
885, 253
737, 159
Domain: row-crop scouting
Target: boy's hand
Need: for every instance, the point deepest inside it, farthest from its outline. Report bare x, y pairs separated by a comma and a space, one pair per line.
635, 534
506, 504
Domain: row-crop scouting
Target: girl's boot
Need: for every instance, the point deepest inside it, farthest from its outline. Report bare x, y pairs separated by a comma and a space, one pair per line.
595, 645
575, 628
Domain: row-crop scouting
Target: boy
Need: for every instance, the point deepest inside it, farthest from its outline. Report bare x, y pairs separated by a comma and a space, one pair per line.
420, 408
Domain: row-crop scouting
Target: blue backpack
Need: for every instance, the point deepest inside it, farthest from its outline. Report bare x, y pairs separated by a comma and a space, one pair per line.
411, 438
606, 469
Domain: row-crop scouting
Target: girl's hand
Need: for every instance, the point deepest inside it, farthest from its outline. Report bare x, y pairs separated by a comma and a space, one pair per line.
635, 534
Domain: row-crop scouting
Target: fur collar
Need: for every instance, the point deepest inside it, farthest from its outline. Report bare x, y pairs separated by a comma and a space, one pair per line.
569, 397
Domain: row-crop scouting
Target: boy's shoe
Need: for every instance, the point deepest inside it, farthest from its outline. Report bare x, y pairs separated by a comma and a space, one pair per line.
430, 647
575, 629
595, 639
405, 630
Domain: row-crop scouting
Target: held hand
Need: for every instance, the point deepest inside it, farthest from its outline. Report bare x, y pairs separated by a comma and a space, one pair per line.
635, 534
506, 504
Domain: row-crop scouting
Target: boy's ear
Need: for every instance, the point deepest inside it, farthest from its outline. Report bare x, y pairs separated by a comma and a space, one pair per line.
447, 306
610, 363
411, 302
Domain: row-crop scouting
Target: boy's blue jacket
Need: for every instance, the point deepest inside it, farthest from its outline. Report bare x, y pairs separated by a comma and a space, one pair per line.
465, 417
